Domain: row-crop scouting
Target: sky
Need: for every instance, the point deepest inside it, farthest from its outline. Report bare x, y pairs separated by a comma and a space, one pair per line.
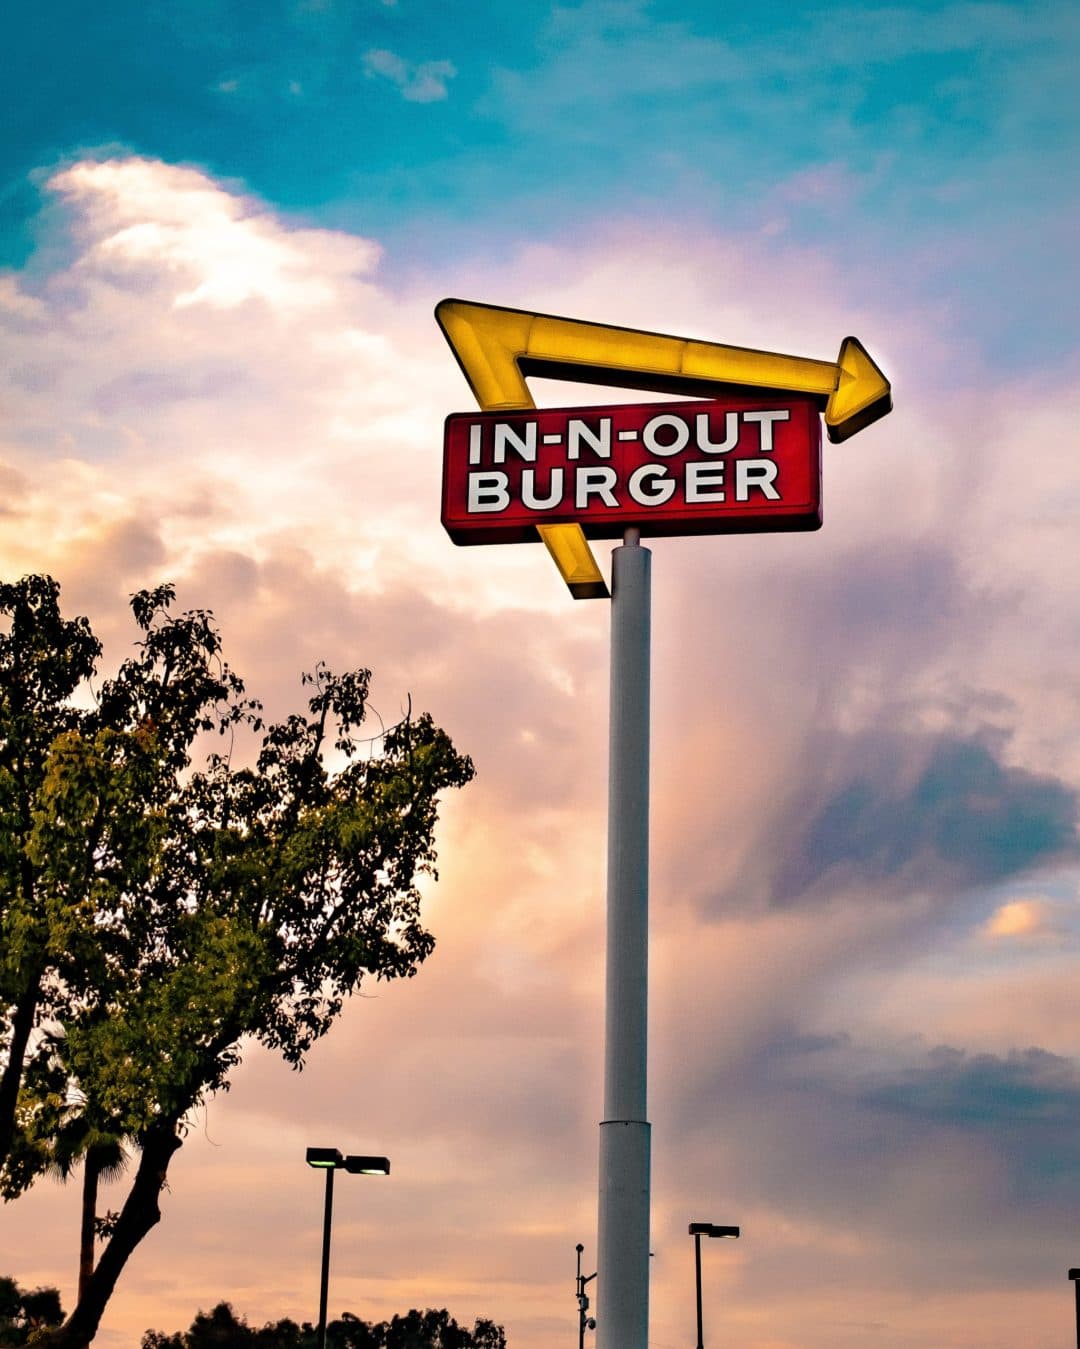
223, 231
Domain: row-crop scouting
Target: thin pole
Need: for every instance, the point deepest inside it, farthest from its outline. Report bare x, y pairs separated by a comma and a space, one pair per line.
325, 1283
580, 1301
697, 1273
623, 1246
583, 1280
1077, 1286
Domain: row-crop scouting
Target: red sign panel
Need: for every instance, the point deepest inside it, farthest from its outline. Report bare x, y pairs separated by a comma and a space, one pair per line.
730, 466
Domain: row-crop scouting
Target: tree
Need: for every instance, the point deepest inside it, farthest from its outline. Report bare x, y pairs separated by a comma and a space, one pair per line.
152, 915
438, 1330
415, 1330
24, 1312
103, 1157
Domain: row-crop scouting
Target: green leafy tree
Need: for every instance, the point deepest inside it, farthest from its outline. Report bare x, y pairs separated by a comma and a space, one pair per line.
152, 915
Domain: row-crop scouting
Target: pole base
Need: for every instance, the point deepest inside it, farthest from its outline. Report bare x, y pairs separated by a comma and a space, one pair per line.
622, 1282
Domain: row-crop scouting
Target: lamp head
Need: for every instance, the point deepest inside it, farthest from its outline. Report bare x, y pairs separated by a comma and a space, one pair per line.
712, 1230
324, 1158
367, 1166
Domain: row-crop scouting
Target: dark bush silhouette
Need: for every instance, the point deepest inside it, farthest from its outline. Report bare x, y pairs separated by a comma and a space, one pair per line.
221, 1328
22, 1311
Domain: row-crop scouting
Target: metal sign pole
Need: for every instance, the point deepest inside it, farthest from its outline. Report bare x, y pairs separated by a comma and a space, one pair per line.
623, 1248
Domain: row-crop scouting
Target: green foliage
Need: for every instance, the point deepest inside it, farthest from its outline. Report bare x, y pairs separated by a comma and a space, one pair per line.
154, 914
24, 1312
221, 1328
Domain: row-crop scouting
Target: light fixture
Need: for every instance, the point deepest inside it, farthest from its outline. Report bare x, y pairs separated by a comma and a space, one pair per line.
319, 1157
697, 1231
367, 1166
331, 1160
712, 1230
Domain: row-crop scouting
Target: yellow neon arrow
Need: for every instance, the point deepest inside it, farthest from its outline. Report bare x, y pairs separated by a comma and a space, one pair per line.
498, 348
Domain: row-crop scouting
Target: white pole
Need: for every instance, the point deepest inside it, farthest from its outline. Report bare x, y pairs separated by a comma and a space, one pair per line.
622, 1312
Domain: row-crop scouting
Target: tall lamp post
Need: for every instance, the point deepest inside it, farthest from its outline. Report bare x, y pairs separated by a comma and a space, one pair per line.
1074, 1274
331, 1160
697, 1231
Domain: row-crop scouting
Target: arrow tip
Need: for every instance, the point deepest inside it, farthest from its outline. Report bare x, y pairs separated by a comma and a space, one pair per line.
862, 392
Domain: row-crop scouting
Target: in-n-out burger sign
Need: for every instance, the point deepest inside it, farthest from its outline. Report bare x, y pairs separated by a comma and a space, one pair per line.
733, 465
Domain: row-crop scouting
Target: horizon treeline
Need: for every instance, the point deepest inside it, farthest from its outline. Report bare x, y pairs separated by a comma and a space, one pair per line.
221, 1328
25, 1313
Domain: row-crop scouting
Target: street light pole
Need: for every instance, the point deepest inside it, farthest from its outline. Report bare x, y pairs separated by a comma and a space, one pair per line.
330, 1160
1074, 1274
324, 1284
697, 1231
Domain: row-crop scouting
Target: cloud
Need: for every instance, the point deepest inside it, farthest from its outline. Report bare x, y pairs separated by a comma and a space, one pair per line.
198, 348
423, 82
152, 218
939, 815
1025, 920
917, 1149
989, 1091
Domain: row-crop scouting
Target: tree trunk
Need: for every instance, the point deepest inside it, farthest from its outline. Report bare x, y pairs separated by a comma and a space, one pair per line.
138, 1216
91, 1173
22, 1023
